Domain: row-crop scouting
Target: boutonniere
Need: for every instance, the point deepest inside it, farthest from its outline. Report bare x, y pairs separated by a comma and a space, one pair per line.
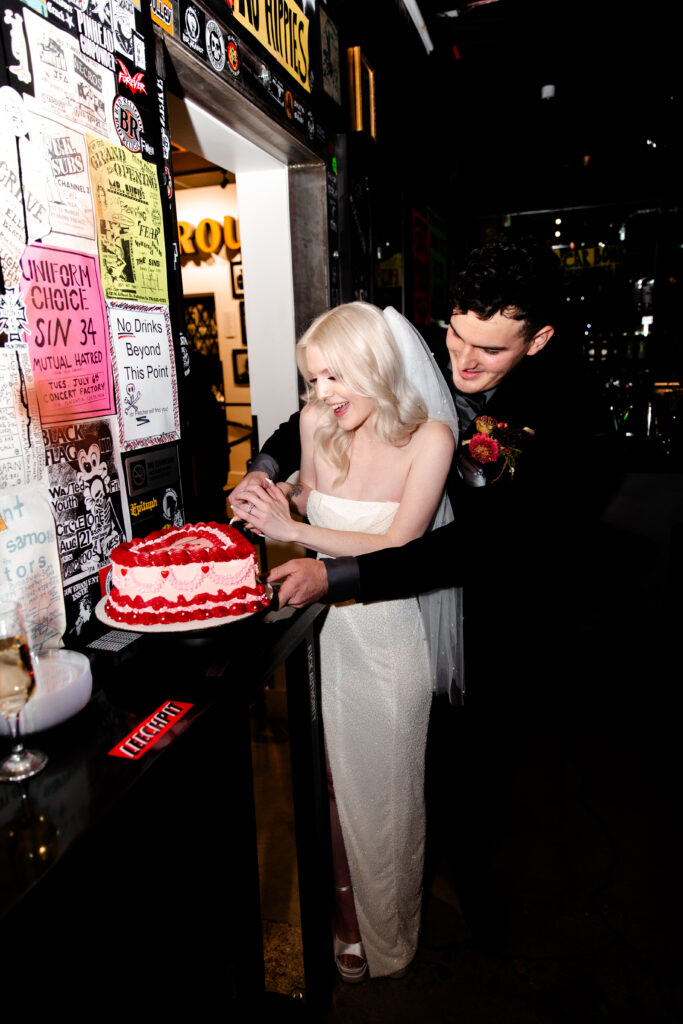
495, 442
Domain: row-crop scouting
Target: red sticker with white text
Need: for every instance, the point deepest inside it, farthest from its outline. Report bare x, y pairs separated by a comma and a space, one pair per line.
152, 729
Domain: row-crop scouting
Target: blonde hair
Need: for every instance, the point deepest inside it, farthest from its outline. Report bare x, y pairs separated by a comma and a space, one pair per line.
358, 348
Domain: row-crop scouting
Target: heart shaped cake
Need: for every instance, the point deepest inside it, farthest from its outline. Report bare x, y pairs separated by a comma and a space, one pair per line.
184, 574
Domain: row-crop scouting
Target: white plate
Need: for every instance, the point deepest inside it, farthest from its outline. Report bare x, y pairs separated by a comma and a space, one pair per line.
63, 688
176, 627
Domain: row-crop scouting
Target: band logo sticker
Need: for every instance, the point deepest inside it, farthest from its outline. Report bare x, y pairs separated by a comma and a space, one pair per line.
128, 124
95, 33
162, 14
215, 46
233, 56
137, 742
298, 112
277, 90
129, 43
135, 83
21, 66
192, 29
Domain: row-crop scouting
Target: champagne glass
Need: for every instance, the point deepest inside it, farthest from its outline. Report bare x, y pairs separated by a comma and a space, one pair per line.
17, 684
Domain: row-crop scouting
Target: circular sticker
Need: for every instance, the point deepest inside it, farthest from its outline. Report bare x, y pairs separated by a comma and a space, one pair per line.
233, 56
215, 46
128, 124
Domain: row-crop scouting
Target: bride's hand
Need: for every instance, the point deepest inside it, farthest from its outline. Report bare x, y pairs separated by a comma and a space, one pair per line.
238, 492
266, 509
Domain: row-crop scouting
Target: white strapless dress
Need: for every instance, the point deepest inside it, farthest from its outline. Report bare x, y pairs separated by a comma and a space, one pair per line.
376, 697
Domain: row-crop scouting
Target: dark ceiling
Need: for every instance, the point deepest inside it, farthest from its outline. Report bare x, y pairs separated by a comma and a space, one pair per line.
612, 130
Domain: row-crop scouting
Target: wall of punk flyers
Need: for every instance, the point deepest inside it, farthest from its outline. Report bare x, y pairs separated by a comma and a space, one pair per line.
87, 360
93, 359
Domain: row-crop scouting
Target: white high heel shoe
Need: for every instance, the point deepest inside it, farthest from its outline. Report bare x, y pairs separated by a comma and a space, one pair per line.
351, 975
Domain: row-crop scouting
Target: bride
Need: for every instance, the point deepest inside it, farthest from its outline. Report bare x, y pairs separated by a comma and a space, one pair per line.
373, 472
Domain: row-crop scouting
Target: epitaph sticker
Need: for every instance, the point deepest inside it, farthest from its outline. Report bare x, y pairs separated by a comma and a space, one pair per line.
129, 224
68, 85
68, 338
144, 374
155, 498
151, 730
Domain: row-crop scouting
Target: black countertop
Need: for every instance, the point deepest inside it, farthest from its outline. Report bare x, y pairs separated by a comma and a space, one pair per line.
93, 835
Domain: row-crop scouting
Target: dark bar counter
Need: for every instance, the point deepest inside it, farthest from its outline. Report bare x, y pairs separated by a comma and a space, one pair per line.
130, 885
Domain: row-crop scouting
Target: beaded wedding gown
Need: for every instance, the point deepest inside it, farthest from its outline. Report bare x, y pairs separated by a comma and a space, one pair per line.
376, 697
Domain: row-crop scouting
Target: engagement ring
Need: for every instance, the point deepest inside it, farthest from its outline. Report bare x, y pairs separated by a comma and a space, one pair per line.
250, 509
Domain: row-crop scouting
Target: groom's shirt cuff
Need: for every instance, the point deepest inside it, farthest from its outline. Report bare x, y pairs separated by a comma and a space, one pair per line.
262, 463
343, 579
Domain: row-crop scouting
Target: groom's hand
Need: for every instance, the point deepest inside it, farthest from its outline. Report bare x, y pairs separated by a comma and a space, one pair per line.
305, 581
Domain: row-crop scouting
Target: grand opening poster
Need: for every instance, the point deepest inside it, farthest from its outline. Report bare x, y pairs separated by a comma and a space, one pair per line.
129, 224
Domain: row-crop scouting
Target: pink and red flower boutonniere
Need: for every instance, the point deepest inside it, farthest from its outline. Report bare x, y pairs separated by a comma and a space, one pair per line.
497, 442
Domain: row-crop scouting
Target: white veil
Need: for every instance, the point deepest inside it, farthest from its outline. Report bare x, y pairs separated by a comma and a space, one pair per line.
441, 609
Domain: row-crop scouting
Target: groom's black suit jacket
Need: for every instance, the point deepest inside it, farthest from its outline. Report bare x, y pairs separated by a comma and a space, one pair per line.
508, 537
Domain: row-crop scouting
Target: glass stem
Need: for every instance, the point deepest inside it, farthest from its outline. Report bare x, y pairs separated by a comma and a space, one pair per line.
17, 745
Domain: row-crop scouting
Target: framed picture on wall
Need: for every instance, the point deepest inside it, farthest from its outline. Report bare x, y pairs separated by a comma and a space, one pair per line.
240, 367
201, 325
243, 323
236, 278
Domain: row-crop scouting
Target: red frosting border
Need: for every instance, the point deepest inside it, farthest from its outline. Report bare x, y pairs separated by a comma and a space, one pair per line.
156, 552
187, 613
158, 603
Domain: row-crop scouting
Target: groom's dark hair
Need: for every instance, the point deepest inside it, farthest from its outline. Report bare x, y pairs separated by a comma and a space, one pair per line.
520, 279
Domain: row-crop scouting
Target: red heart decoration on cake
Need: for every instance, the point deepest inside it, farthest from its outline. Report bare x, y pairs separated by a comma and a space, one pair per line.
164, 573
123, 572
205, 568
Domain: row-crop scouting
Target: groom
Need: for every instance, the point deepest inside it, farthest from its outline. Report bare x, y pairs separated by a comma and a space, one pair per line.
508, 470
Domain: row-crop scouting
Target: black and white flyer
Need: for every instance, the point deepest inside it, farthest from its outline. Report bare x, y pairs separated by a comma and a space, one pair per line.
84, 487
68, 84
